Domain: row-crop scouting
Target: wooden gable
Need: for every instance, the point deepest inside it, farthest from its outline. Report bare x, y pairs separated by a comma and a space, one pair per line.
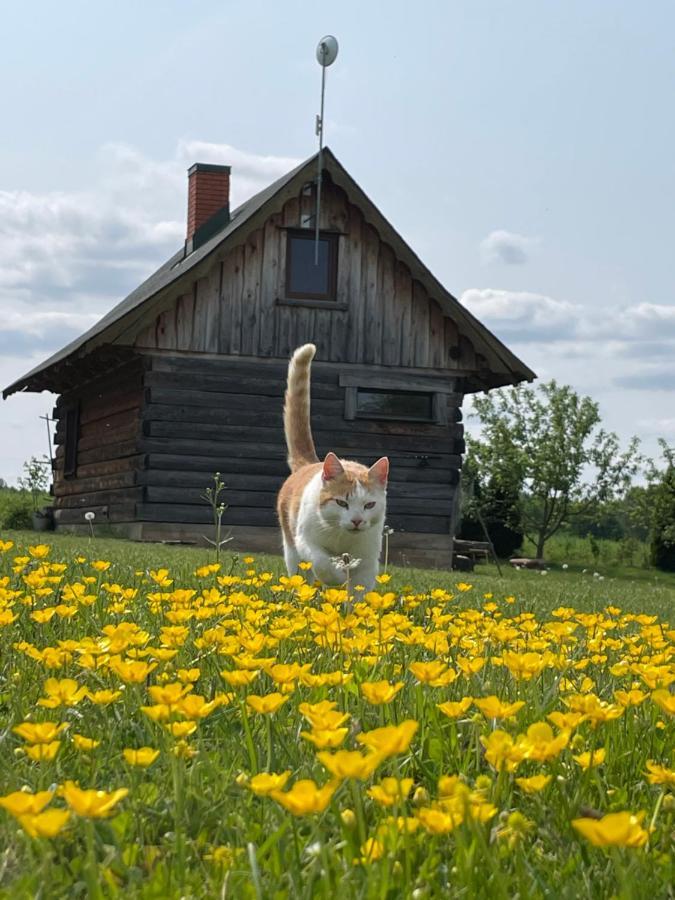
381, 316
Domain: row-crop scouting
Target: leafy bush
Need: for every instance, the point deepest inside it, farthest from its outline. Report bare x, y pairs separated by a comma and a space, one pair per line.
663, 523
16, 510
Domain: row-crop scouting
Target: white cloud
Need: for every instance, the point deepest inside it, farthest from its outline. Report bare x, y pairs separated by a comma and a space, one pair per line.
507, 247
523, 316
75, 254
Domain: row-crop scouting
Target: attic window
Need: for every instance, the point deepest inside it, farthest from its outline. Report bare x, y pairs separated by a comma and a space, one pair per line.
305, 278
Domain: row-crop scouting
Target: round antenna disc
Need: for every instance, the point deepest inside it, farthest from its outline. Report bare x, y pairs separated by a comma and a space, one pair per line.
327, 50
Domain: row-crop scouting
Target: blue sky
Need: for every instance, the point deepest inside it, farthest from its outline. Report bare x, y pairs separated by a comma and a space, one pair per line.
524, 149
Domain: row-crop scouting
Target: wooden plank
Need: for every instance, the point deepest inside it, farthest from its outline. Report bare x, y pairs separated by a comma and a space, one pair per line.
188, 478
191, 463
402, 382
269, 285
437, 351
193, 495
235, 383
376, 443
212, 290
213, 400
166, 328
92, 499
420, 325
355, 325
451, 359
110, 451
392, 311
107, 406
372, 346
174, 512
81, 485
111, 467
251, 294
404, 298
185, 310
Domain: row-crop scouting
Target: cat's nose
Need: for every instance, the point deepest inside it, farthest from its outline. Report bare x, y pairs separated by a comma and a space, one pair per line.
356, 522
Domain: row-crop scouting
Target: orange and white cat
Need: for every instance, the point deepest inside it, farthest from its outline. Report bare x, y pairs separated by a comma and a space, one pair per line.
329, 508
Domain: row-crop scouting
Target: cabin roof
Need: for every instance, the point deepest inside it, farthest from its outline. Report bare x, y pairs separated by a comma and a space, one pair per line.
503, 365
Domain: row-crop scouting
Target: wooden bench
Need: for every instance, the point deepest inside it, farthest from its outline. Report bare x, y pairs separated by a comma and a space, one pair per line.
475, 550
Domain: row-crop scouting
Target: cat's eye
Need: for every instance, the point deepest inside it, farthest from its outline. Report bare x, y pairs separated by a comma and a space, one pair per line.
369, 505
342, 503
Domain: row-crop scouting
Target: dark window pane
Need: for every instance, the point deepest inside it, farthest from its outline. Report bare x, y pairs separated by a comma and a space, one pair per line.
305, 277
394, 405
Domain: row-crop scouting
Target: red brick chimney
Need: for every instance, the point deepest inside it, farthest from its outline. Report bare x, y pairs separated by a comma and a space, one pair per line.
208, 202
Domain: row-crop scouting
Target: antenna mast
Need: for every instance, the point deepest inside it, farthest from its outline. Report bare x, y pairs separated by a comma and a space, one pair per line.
326, 54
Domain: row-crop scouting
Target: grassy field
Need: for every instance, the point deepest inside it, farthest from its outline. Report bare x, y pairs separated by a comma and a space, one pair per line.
252, 736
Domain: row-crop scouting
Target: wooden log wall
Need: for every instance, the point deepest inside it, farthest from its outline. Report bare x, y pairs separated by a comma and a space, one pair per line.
381, 315
202, 415
108, 457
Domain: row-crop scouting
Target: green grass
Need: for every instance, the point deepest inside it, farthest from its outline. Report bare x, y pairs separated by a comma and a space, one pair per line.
631, 588
192, 827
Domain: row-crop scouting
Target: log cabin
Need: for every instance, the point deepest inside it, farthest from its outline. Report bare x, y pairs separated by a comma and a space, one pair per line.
185, 377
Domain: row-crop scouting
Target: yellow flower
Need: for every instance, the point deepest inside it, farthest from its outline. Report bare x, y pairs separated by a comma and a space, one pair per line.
181, 729
267, 704
371, 850
61, 692
45, 824
85, 743
390, 791
323, 715
91, 804
306, 798
143, 757
350, 763
384, 578
326, 738
516, 828
169, 694
630, 698
540, 744
20, 803
657, 774
103, 697
523, 666
434, 673
665, 700
566, 721
470, 665
455, 709
43, 752
437, 821
266, 783
100, 565
390, 740
305, 566
463, 587
39, 732
590, 758
132, 671
534, 784
501, 751
39, 551
493, 708
379, 692
620, 829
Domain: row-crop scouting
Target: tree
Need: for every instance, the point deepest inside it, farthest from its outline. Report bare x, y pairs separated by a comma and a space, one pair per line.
663, 514
35, 479
497, 504
546, 444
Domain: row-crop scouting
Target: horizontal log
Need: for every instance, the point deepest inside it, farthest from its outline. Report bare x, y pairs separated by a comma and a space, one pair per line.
215, 400
119, 512
80, 485
92, 499
234, 383
264, 482
371, 444
121, 380
225, 416
409, 468
402, 382
235, 498
174, 512
115, 450
111, 467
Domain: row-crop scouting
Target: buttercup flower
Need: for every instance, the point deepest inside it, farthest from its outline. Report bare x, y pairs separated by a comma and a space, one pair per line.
91, 804
621, 829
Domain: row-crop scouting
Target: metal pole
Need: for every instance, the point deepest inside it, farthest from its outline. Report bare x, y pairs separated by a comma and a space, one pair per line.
318, 177
49, 440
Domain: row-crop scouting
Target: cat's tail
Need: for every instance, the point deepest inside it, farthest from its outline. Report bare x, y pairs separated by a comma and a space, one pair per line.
299, 440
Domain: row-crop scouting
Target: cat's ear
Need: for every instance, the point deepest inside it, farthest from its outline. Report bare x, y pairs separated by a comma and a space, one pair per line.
379, 471
332, 467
